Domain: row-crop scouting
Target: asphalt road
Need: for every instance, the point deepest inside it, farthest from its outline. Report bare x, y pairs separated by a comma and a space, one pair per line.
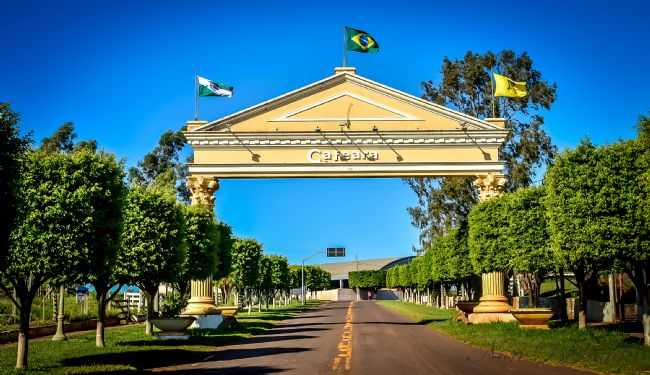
357, 338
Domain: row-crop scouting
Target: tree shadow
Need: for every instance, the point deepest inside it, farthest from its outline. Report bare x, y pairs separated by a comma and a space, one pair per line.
147, 359
245, 370
284, 331
216, 341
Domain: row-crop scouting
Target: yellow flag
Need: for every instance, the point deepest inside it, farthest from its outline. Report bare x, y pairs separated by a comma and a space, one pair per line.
507, 87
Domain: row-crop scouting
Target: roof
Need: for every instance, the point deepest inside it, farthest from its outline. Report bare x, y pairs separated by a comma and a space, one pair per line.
340, 270
224, 123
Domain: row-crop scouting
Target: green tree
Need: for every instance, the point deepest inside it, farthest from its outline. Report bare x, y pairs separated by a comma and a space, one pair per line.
165, 157
202, 236
265, 280
639, 262
625, 196
245, 256
59, 196
105, 177
528, 239
373, 279
585, 229
224, 266
465, 86
151, 242
488, 248
13, 148
280, 277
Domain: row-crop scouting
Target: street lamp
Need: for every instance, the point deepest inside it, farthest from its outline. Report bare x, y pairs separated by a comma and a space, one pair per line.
330, 252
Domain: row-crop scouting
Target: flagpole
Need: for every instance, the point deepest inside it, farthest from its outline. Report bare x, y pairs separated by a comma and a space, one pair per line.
492, 92
196, 96
345, 50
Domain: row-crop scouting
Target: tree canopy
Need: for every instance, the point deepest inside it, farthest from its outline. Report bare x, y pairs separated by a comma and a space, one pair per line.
444, 202
488, 225
367, 279
13, 148
151, 241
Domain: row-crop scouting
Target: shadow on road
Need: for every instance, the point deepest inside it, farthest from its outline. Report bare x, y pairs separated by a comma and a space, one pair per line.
146, 359
246, 370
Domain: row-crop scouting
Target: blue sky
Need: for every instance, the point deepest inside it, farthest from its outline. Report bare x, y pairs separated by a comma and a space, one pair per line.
123, 73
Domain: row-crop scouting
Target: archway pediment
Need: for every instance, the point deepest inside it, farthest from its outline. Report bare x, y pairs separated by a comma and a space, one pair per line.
346, 126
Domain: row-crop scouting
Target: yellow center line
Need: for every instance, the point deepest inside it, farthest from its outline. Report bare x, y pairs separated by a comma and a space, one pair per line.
345, 346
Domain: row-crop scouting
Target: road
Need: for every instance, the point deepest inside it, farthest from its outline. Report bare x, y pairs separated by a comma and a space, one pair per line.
357, 338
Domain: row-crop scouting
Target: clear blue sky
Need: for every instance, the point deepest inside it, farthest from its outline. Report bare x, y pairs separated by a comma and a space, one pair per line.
123, 73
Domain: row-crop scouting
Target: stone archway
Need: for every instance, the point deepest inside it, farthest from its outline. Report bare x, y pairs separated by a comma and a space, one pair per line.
346, 125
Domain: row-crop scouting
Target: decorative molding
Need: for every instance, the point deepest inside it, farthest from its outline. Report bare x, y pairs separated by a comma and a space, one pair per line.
490, 185
401, 116
342, 140
202, 188
225, 122
470, 168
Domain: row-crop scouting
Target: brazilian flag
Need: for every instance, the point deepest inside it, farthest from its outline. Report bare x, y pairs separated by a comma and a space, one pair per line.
360, 41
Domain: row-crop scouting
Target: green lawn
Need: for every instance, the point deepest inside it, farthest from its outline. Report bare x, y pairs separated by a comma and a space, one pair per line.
128, 350
603, 351
42, 311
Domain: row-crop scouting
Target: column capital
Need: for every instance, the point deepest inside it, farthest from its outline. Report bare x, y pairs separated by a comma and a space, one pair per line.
490, 185
203, 188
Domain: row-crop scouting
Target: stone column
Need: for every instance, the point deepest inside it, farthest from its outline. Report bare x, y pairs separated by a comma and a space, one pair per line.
201, 300
493, 305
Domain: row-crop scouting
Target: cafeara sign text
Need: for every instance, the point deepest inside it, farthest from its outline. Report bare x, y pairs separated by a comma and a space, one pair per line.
317, 156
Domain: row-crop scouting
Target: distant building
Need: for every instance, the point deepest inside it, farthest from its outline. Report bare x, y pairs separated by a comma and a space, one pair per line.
340, 270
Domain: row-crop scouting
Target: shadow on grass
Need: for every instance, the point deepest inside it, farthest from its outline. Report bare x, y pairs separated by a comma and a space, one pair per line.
216, 341
147, 359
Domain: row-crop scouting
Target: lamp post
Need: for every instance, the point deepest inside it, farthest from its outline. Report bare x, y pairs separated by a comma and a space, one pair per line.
302, 275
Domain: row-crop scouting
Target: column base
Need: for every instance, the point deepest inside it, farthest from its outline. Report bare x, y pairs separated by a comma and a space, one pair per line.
482, 318
201, 306
492, 304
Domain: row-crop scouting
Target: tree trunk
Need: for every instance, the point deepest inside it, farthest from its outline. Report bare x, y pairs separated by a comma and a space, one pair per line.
22, 350
562, 291
101, 318
582, 310
148, 326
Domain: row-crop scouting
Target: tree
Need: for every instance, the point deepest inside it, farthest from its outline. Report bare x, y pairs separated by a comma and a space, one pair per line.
280, 278
527, 238
625, 196
641, 258
163, 158
226, 241
264, 283
372, 279
585, 229
13, 148
105, 176
444, 202
246, 254
202, 241
55, 229
488, 248
151, 241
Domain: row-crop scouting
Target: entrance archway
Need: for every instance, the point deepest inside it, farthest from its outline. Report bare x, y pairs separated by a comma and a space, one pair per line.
345, 125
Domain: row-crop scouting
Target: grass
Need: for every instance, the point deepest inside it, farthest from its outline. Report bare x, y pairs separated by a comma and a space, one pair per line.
42, 311
128, 350
595, 349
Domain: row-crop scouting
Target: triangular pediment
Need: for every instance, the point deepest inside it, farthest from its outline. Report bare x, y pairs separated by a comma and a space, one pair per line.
345, 98
346, 106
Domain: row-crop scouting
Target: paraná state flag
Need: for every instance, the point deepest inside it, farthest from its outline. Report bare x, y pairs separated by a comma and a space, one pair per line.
360, 41
508, 87
211, 88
